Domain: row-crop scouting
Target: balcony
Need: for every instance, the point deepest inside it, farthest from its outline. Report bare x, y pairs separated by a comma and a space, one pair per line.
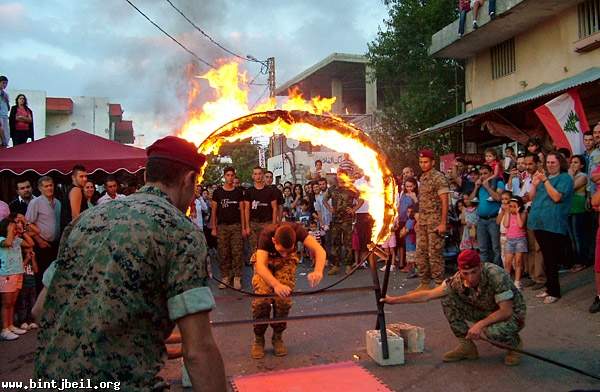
513, 18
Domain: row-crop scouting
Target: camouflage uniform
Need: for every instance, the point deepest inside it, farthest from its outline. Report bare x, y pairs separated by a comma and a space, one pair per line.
230, 246
462, 304
284, 270
126, 271
255, 229
341, 198
430, 262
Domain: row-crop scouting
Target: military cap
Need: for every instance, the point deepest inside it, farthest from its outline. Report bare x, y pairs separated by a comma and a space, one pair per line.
468, 258
426, 153
178, 150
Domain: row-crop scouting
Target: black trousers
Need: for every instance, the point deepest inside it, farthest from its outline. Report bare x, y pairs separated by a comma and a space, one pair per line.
45, 256
552, 247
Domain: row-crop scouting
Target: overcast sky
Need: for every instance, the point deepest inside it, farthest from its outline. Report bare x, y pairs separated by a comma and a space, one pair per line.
106, 49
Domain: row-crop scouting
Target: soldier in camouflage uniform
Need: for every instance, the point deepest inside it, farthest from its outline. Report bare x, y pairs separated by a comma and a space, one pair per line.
340, 200
275, 272
126, 272
483, 294
431, 222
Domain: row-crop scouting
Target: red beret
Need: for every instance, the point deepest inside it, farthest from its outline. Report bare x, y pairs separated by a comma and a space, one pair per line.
468, 259
178, 150
426, 153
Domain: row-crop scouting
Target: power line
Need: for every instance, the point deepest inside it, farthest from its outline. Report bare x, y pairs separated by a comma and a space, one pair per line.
170, 36
246, 58
260, 97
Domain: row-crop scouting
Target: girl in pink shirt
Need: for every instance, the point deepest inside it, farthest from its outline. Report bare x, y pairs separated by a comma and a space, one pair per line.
491, 159
516, 238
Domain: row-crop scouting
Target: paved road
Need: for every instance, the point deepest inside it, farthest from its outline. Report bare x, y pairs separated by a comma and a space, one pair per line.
564, 331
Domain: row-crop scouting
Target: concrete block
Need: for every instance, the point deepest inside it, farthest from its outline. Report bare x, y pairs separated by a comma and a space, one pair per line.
395, 348
414, 337
185, 377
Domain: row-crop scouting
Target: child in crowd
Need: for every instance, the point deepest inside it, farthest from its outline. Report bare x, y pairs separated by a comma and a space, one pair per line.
390, 248
491, 159
469, 219
28, 293
504, 207
286, 215
317, 233
510, 160
409, 235
304, 215
11, 272
515, 222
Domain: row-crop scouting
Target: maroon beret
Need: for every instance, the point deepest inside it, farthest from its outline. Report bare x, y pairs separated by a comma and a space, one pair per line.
468, 259
426, 153
178, 150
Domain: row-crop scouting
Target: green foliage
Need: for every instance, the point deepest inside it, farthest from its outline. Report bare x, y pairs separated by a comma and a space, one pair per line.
244, 157
571, 124
418, 90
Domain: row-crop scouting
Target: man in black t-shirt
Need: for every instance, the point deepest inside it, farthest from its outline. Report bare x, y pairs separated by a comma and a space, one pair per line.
227, 225
269, 183
275, 272
260, 207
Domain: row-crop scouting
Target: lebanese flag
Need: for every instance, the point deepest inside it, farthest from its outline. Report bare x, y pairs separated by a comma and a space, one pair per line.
565, 121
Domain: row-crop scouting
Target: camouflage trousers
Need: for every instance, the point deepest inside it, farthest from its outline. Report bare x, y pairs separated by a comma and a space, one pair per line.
341, 242
429, 258
230, 247
458, 312
284, 270
255, 229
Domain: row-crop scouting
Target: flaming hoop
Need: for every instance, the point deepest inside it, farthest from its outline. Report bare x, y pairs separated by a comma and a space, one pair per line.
325, 131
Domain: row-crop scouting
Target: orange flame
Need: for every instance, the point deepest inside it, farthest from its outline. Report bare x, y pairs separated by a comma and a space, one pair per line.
229, 118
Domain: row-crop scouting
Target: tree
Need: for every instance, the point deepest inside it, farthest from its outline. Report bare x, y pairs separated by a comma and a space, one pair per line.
243, 155
418, 90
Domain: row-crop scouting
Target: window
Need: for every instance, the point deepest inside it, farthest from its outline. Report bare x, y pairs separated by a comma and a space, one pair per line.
503, 59
589, 18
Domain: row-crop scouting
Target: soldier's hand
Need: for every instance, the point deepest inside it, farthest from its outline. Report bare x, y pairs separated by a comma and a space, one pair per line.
388, 300
441, 229
475, 332
282, 290
213, 232
314, 278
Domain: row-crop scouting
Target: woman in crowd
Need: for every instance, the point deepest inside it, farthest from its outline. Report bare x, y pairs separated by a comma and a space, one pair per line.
407, 199
89, 191
298, 196
551, 194
20, 121
287, 198
580, 239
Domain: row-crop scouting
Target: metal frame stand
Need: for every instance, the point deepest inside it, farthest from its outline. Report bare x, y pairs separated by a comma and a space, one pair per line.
380, 292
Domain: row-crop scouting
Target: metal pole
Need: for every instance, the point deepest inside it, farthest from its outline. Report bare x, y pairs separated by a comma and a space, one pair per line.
380, 313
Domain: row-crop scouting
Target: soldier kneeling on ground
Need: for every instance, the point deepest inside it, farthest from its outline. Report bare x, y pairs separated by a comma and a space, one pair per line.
276, 259
484, 294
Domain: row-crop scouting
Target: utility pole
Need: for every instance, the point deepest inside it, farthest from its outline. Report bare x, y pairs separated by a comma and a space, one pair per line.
271, 70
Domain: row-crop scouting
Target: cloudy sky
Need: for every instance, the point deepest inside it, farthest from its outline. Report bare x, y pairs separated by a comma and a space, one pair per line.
106, 49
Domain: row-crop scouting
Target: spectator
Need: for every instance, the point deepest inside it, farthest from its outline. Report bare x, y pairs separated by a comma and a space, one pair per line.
492, 160
21, 121
594, 160
4, 210
513, 185
409, 236
89, 191
237, 183
552, 194
464, 6
504, 211
111, 186
75, 202
510, 160
12, 241
469, 219
44, 212
287, 197
323, 214
515, 221
407, 198
580, 240
28, 293
476, 4
4, 110
316, 173
276, 191
347, 165
534, 146
590, 145
488, 189
363, 220
595, 306
24, 196
298, 195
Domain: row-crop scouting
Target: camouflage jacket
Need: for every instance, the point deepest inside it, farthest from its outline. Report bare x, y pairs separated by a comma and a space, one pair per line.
495, 286
126, 270
432, 185
341, 198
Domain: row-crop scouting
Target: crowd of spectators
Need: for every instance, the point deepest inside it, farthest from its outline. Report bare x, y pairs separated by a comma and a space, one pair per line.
16, 121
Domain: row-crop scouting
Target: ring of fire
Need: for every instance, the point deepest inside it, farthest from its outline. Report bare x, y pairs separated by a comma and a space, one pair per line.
325, 131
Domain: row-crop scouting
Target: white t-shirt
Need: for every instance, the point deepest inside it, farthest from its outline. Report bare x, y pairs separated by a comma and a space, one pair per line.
361, 183
106, 198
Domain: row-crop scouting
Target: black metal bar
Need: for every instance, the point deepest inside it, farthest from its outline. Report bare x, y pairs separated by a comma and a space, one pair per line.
330, 291
380, 313
386, 276
294, 318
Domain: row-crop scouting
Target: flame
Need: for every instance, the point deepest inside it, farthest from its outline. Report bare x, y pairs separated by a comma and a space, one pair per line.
228, 118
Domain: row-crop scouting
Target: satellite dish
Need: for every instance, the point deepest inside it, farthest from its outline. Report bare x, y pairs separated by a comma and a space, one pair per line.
291, 143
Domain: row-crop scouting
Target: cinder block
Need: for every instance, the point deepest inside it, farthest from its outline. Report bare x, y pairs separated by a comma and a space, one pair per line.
414, 337
395, 348
185, 377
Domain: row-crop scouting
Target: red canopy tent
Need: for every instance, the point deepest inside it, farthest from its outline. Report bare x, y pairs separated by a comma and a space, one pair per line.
62, 152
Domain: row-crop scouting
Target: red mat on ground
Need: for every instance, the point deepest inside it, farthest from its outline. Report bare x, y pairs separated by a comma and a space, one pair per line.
337, 377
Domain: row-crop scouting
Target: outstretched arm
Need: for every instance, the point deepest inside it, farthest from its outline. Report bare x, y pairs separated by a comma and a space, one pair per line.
416, 297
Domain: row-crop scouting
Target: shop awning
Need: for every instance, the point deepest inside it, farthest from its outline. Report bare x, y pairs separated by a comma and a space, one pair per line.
587, 76
63, 151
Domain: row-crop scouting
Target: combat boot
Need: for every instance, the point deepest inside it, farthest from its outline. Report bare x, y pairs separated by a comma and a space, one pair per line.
513, 358
421, 287
465, 350
279, 348
333, 270
258, 347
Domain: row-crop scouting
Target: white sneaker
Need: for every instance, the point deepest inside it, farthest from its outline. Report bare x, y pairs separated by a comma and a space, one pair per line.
16, 330
518, 284
33, 326
550, 299
392, 268
543, 294
6, 334
25, 326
